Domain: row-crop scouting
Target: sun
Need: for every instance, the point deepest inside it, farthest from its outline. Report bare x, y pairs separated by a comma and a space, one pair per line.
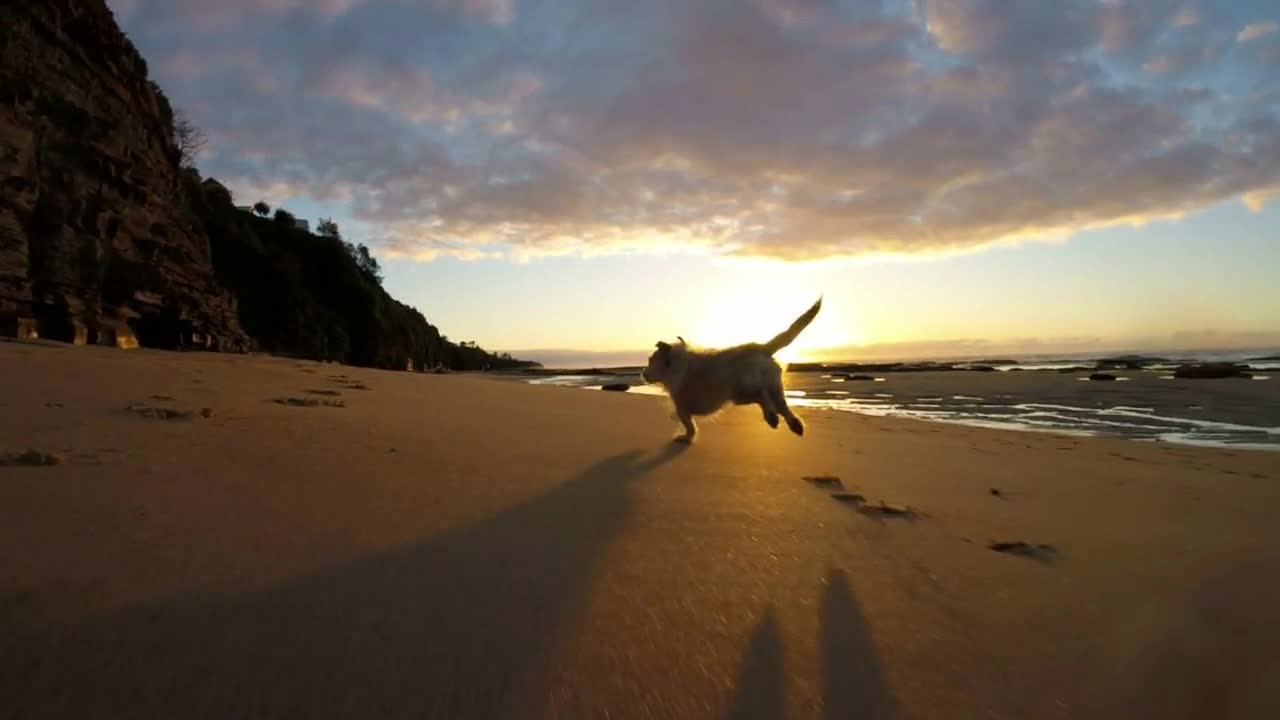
735, 318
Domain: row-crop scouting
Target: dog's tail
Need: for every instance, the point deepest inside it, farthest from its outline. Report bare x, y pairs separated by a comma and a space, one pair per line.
786, 337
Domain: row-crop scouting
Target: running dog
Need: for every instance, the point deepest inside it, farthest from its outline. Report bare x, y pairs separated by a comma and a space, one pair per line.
700, 382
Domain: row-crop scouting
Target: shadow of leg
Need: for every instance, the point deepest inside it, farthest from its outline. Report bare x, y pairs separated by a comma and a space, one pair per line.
853, 681
761, 693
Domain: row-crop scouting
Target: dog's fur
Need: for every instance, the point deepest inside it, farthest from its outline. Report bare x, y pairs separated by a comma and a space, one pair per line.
700, 382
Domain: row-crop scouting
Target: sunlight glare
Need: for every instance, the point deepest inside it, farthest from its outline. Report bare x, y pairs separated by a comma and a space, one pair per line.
733, 318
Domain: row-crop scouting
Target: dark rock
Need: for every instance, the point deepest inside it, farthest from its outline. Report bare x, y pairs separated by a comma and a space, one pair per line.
1129, 362
1102, 377
1211, 371
106, 238
616, 387
870, 367
96, 245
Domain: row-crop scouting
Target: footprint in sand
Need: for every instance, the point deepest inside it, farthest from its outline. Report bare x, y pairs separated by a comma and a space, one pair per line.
883, 510
348, 383
855, 498
307, 402
878, 510
153, 412
28, 458
1036, 551
823, 480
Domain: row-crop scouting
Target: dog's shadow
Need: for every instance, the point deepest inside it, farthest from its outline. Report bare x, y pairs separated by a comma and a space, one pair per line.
453, 626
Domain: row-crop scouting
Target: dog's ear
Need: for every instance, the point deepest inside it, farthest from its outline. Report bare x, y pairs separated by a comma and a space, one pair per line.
682, 342
663, 346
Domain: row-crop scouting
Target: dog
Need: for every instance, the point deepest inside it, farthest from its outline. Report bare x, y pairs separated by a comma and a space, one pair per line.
701, 382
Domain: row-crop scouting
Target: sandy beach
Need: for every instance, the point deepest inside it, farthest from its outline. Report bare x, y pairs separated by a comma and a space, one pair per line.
215, 536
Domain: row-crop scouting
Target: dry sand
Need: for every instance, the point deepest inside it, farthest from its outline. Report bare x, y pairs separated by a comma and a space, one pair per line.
457, 547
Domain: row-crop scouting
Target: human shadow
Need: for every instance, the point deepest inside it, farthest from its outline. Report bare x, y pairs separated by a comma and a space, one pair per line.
854, 684
761, 692
457, 625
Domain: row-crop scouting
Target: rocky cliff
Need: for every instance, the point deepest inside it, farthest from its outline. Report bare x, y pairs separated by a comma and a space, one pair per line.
98, 243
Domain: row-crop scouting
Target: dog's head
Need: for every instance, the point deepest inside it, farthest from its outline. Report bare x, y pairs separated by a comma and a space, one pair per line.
664, 363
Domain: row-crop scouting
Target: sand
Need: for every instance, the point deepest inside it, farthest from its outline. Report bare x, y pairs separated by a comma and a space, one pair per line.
460, 547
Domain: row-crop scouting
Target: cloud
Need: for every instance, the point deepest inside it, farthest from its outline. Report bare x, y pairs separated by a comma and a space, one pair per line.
225, 15
1253, 31
1183, 59
796, 129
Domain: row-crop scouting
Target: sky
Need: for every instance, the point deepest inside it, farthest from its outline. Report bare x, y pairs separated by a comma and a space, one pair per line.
954, 178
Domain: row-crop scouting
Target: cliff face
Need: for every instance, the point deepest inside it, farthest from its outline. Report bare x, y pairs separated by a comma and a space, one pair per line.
98, 242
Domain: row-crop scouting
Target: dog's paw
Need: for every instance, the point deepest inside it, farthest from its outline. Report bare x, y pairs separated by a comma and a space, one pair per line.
795, 425
683, 439
772, 420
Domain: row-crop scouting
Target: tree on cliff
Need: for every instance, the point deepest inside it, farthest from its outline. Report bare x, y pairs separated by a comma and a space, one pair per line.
328, 228
188, 138
262, 209
368, 263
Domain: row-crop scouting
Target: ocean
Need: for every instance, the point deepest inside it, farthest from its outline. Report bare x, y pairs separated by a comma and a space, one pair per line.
1145, 402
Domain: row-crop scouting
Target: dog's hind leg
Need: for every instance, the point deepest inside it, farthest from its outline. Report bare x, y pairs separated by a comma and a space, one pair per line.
776, 400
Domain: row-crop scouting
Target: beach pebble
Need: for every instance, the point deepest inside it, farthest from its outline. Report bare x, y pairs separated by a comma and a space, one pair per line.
1211, 371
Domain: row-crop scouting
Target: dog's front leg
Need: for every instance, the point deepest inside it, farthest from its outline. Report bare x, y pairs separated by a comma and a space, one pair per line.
690, 429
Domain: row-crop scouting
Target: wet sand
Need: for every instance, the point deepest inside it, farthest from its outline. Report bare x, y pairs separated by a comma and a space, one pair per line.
193, 535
